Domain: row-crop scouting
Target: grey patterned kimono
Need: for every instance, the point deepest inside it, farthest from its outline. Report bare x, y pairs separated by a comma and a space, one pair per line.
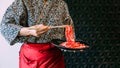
25, 13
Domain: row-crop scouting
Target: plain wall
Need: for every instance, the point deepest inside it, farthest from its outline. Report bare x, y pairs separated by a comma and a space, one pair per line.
9, 55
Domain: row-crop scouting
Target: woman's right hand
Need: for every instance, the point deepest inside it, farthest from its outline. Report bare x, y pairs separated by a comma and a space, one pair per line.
35, 30
38, 30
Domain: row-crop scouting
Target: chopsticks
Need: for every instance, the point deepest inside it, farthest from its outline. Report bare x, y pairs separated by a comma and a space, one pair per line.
51, 27
61, 26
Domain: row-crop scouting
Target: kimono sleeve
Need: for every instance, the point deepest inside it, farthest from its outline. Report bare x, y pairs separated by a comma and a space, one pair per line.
13, 20
67, 18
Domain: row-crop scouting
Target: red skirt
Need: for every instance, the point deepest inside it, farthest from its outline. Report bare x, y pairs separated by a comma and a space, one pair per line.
40, 56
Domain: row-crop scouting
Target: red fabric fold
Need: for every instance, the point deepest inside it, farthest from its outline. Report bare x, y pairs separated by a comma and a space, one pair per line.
40, 56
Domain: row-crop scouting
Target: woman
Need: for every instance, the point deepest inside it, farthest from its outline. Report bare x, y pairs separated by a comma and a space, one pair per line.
27, 22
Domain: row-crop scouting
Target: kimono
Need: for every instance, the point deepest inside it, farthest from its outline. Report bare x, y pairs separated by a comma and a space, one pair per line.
26, 13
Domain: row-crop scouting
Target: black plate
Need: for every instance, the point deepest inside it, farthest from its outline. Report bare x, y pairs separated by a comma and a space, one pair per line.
57, 42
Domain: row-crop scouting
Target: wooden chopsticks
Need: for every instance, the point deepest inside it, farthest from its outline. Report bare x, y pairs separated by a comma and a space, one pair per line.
51, 27
61, 26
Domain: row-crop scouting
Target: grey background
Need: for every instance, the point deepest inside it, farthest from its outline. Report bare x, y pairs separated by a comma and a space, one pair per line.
9, 55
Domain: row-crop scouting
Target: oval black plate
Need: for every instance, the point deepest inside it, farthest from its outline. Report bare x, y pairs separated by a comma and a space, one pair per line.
57, 42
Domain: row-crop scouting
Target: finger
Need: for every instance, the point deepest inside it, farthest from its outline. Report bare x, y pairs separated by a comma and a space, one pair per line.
33, 33
41, 32
43, 29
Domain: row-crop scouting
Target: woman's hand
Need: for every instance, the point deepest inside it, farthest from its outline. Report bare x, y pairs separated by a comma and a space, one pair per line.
35, 30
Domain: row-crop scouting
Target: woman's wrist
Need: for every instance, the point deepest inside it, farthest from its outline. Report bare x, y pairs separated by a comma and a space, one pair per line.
25, 31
